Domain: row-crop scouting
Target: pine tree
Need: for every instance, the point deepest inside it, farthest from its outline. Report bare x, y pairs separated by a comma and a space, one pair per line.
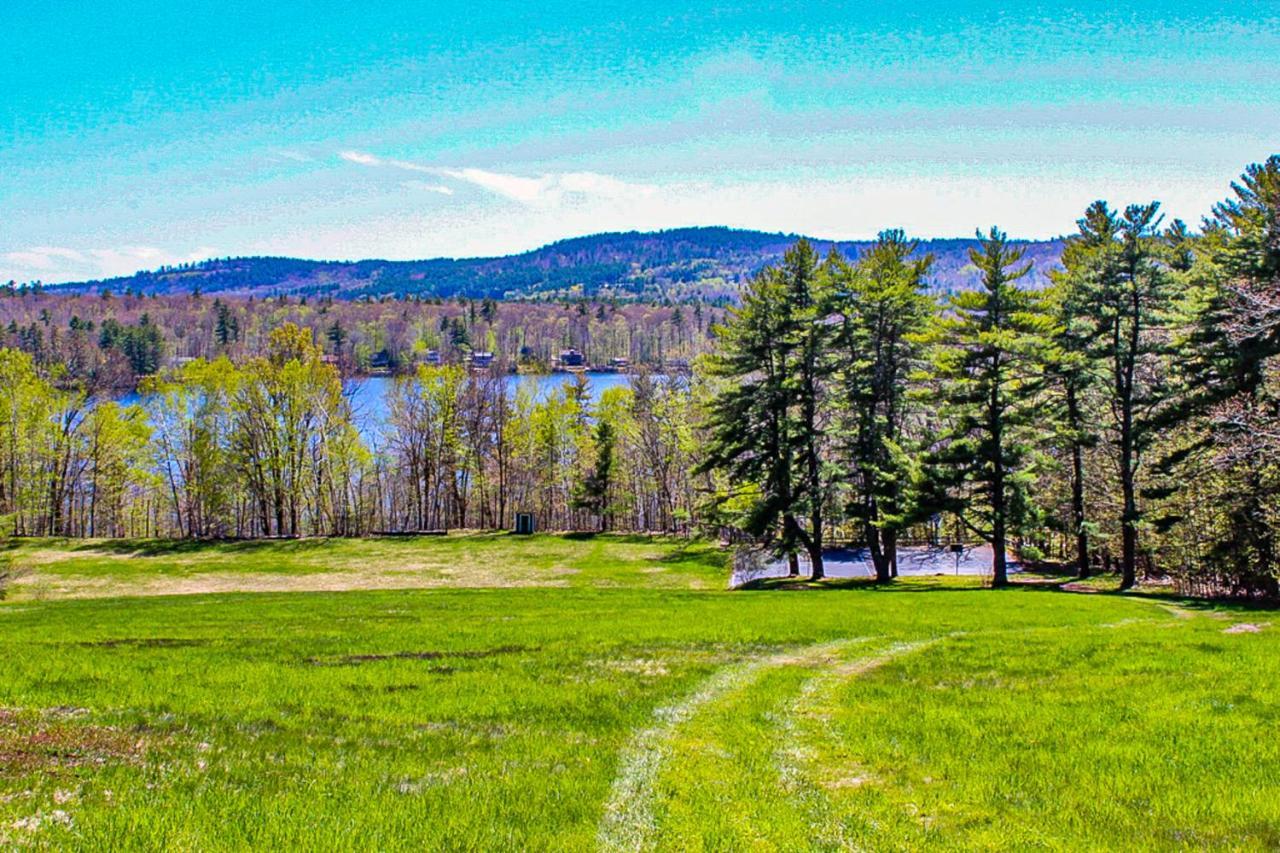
806, 336
592, 493
337, 338
748, 421
222, 329
1090, 255
882, 311
1124, 299
765, 427
1229, 365
992, 345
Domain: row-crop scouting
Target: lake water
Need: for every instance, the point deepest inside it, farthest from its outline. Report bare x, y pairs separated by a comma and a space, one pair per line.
369, 394
913, 561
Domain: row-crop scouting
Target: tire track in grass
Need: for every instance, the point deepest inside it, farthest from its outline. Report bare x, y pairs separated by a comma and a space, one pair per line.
628, 821
796, 756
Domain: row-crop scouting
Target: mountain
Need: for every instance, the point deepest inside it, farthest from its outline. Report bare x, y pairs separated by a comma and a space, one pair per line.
707, 263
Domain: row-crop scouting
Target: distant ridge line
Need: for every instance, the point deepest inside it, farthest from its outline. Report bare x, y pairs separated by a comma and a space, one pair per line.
710, 263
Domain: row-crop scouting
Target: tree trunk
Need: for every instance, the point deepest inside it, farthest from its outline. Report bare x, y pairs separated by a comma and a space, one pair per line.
815, 559
1129, 528
1077, 485
999, 533
999, 562
879, 559
790, 528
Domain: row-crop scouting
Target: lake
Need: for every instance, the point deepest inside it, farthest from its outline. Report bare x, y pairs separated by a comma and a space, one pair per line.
368, 394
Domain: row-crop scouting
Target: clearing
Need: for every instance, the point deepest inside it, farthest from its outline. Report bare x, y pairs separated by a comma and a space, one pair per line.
611, 693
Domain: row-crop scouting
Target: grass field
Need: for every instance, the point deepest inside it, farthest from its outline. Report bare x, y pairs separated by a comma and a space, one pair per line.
611, 693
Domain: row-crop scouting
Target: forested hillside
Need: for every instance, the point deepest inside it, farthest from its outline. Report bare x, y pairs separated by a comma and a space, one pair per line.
706, 263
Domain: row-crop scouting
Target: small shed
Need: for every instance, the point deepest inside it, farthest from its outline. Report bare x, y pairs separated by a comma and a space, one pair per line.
524, 523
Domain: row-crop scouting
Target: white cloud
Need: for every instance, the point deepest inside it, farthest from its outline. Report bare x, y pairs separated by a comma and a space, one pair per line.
427, 187
360, 157
43, 257
553, 189
549, 190
53, 264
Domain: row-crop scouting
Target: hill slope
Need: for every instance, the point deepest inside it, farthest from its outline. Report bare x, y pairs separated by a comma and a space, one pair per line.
681, 263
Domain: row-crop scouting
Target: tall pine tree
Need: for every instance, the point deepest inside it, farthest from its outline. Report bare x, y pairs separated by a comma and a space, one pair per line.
882, 311
765, 423
992, 345
1122, 282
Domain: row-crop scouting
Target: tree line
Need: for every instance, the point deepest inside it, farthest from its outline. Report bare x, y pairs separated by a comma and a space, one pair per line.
107, 342
270, 446
1125, 417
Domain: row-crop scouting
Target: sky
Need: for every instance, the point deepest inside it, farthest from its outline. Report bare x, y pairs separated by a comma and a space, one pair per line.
137, 133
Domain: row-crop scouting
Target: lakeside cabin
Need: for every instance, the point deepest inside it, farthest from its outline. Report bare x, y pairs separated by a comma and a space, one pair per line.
480, 360
571, 360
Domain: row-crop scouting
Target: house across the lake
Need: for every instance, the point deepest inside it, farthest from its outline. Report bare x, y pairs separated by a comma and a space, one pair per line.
571, 359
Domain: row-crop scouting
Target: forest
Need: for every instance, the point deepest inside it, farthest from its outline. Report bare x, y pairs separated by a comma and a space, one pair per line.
103, 343
1124, 417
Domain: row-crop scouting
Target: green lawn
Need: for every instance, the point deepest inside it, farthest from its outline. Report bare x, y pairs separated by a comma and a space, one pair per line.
634, 703
70, 568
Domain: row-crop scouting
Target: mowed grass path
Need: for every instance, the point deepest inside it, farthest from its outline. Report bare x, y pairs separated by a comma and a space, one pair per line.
612, 713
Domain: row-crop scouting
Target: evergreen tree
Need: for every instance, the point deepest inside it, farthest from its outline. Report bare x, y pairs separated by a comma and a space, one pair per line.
806, 335
1231, 371
592, 493
882, 310
765, 424
748, 420
992, 344
223, 326
1091, 255
337, 338
1123, 284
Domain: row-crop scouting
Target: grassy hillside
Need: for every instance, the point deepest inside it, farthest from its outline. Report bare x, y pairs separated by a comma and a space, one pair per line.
631, 704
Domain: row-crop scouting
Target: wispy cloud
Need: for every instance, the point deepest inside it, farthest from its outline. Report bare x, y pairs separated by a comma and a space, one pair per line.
549, 190
360, 157
427, 187
292, 155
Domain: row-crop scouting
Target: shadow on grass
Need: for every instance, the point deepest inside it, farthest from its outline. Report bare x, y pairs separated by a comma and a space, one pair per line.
623, 538
916, 584
925, 584
1062, 586
689, 553
180, 547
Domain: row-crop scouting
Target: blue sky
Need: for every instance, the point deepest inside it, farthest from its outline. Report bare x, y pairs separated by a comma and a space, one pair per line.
135, 133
